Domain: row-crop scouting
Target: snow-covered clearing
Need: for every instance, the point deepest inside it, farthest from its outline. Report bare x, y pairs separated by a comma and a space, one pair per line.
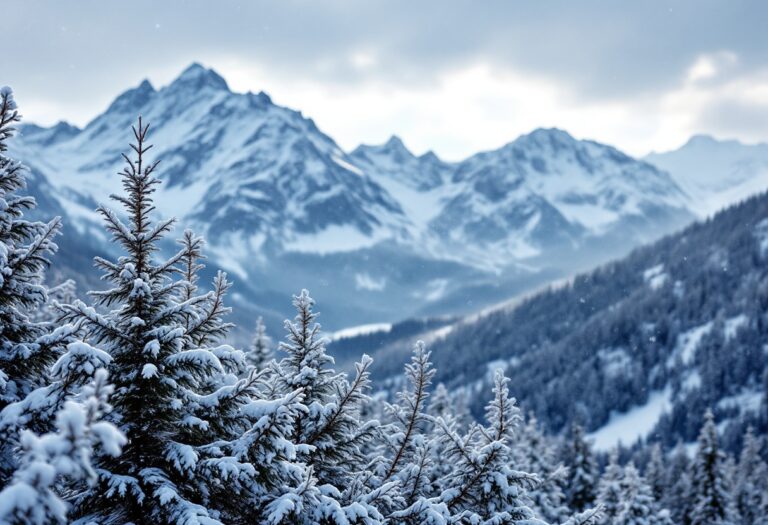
638, 422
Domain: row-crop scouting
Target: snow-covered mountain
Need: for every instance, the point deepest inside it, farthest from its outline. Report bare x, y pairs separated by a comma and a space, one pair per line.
716, 173
283, 206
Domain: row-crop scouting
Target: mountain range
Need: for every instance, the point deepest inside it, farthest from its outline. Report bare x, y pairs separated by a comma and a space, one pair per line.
378, 233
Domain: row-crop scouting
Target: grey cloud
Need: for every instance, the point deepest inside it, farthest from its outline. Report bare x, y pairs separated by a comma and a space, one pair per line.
735, 118
90, 50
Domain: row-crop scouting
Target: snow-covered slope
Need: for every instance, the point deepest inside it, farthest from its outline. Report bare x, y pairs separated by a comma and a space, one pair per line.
283, 206
716, 173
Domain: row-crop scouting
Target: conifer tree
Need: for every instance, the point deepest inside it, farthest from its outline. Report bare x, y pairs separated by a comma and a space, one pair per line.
409, 414
751, 486
679, 482
187, 422
709, 497
637, 505
409, 450
610, 489
655, 473
24, 248
485, 485
260, 352
582, 471
441, 404
533, 452
332, 426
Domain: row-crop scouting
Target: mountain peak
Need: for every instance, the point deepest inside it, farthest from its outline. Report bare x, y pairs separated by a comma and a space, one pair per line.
550, 134
198, 76
394, 147
133, 98
394, 142
700, 139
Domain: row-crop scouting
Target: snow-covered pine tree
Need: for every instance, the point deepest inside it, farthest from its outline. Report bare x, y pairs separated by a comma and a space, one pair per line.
24, 248
156, 330
332, 426
710, 499
534, 452
485, 487
637, 505
409, 414
340, 438
751, 486
679, 483
610, 489
60, 460
260, 353
655, 473
406, 451
582, 470
306, 365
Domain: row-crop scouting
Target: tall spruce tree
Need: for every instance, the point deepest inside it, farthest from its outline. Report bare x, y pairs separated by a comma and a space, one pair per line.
676, 498
609, 489
486, 486
637, 505
582, 470
194, 434
534, 452
655, 473
710, 499
24, 249
332, 426
751, 484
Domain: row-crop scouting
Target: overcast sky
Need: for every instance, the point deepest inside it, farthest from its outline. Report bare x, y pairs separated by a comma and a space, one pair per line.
449, 75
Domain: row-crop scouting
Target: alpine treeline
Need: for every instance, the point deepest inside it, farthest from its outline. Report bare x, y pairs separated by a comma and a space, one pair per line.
132, 408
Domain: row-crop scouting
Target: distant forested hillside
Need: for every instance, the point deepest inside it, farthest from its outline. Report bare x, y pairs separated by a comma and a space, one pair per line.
685, 318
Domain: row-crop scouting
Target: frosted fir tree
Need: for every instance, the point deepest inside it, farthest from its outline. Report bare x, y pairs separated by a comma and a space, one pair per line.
332, 427
407, 451
486, 487
161, 366
751, 484
710, 499
610, 489
24, 250
656, 473
409, 414
306, 364
260, 353
582, 471
679, 483
59, 460
340, 437
637, 505
442, 405
533, 452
